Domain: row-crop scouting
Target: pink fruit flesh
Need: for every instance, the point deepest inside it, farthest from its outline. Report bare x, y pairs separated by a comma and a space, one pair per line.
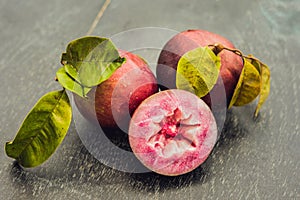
172, 132
231, 64
112, 102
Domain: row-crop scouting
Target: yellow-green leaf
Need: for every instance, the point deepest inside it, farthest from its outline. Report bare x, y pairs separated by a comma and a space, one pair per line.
255, 62
42, 131
70, 83
248, 86
198, 71
237, 89
264, 87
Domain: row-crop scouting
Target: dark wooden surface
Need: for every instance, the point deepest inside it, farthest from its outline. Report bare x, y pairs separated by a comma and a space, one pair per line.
254, 159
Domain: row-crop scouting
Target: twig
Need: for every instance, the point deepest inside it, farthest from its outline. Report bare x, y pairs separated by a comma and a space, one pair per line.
98, 17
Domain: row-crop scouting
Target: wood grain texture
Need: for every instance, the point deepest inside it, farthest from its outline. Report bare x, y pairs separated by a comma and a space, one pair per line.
253, 159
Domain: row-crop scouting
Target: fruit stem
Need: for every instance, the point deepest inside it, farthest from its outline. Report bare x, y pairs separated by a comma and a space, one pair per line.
217, 48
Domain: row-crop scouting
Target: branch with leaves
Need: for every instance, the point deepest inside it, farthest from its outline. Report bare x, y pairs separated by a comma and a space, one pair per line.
88, 61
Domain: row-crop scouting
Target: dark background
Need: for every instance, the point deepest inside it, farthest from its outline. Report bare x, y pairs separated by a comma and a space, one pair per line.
254, 159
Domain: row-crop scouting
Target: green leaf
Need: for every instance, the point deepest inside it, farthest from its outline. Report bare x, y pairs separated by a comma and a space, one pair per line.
248, 86
93, 73
71, 84
264, 87
42, 131
91, 60
198, 71
72, 72
88, 49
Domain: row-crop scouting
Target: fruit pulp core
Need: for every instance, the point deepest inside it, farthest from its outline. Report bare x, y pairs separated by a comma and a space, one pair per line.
170, 139
170, 125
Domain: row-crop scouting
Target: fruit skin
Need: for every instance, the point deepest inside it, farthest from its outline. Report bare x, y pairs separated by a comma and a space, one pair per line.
113, 101
172, 132
231, 64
